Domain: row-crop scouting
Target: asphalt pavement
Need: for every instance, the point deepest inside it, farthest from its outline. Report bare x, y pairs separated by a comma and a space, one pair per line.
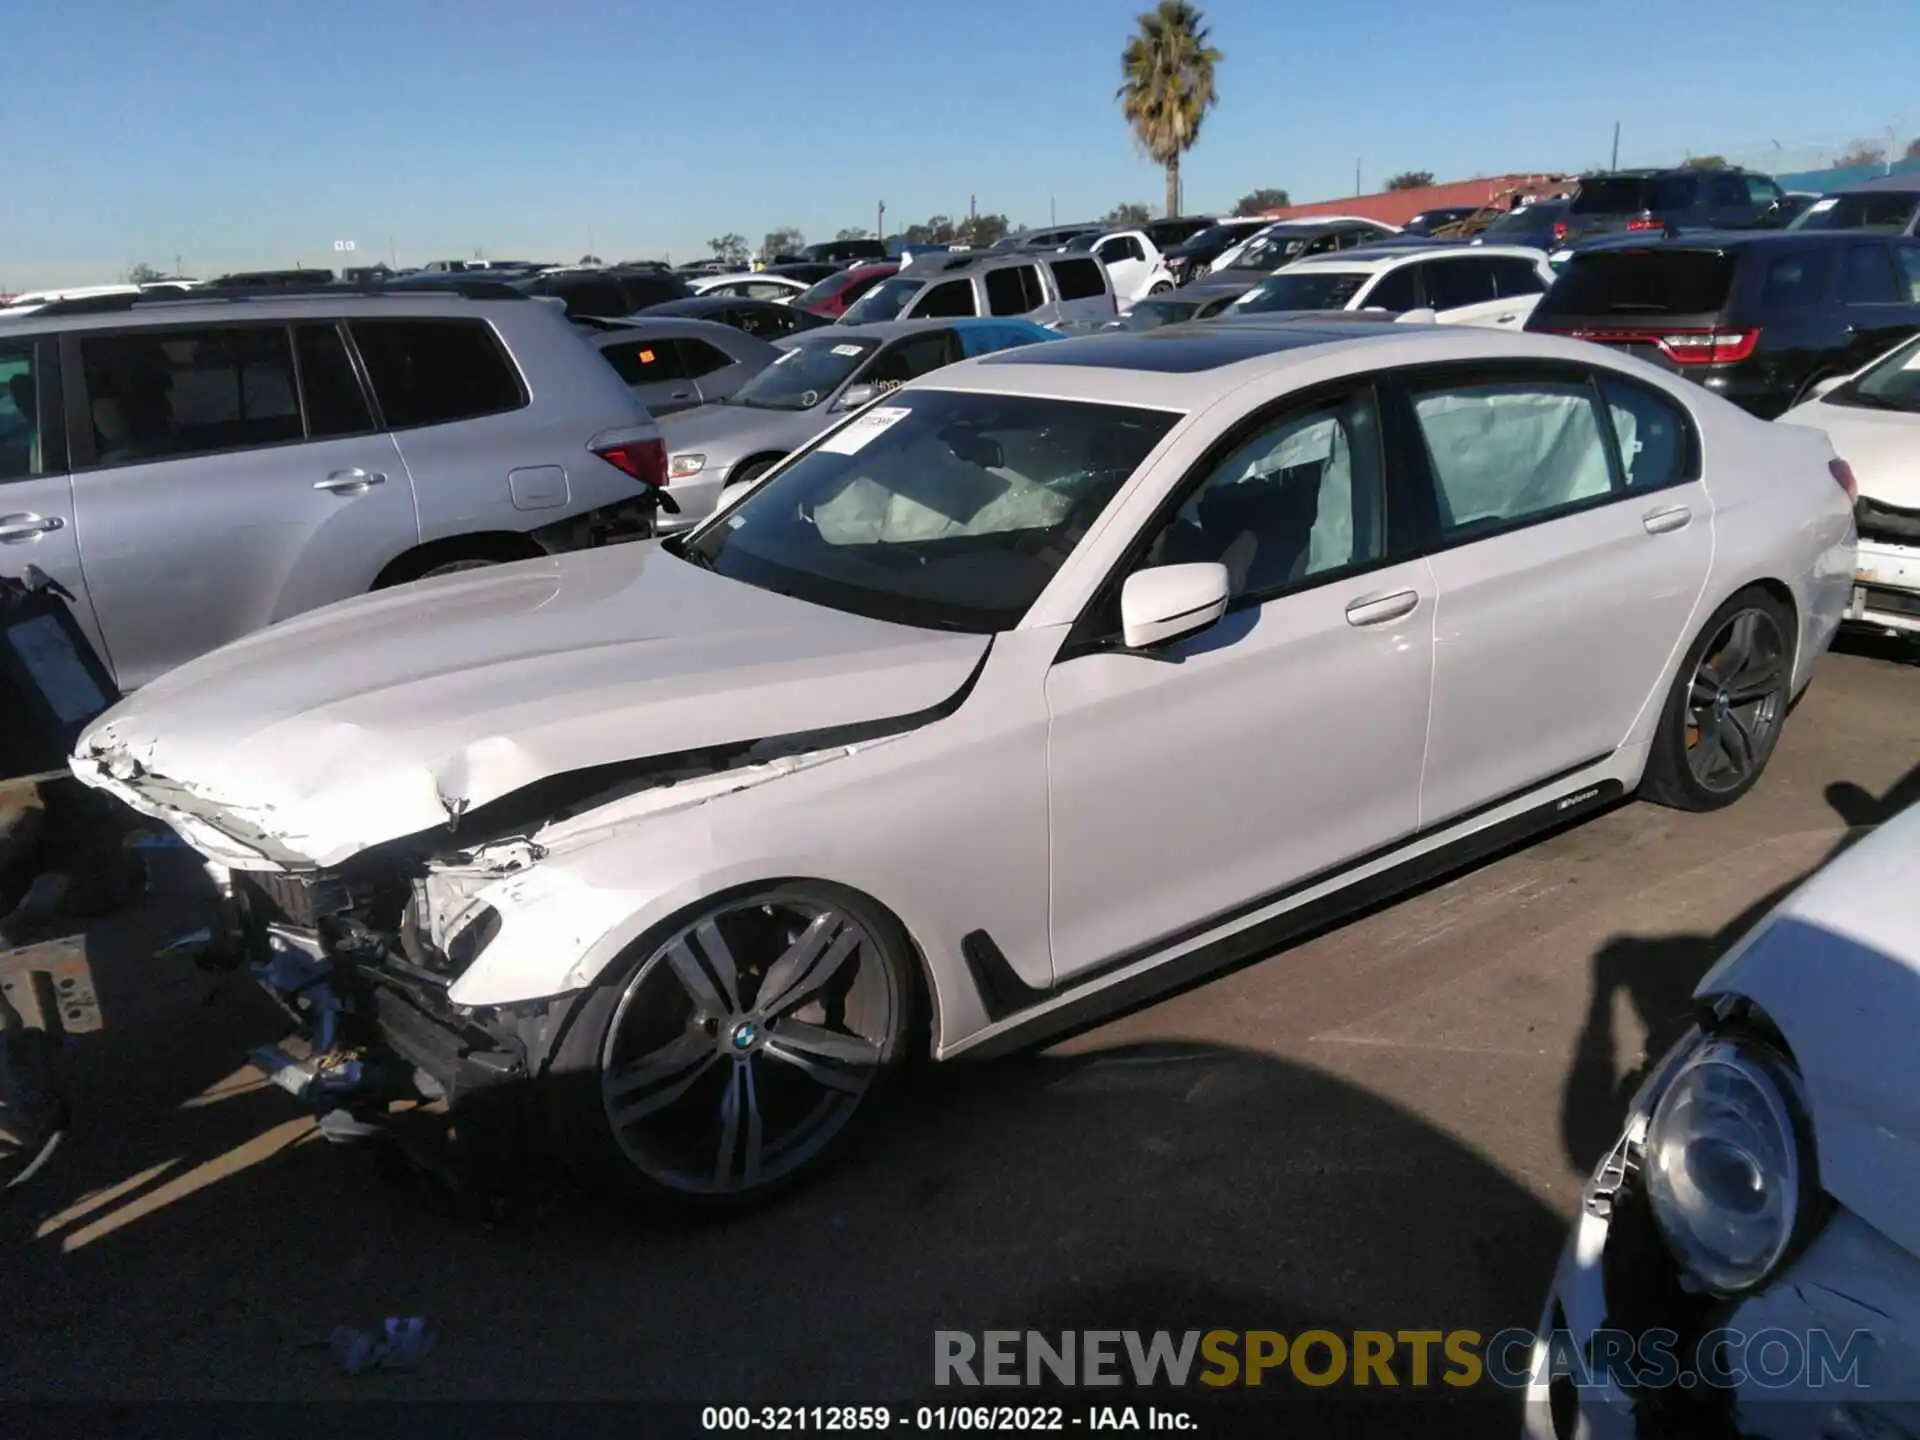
1385, 1127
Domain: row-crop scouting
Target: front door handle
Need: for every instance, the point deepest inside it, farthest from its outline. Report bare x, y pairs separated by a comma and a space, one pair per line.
1378, 609
350, 482
25, 526
680, 395
1666, 518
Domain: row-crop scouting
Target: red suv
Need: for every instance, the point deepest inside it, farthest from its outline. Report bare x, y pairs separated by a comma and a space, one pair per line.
831, 297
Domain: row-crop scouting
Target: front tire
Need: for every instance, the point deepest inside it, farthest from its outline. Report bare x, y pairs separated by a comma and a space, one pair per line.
1723, 716
751, 471
735, 1051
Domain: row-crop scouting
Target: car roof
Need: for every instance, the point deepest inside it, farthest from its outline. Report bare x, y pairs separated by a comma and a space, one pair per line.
1361, 258
1906, 180
1724, 240
189, 307
1182, 367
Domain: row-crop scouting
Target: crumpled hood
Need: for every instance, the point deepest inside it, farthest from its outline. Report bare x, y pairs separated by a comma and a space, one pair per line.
390, 714
1882, 447
1837, 968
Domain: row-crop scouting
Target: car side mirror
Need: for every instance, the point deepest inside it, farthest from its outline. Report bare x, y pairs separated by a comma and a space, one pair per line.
1167, 602
1828, 385
854, 396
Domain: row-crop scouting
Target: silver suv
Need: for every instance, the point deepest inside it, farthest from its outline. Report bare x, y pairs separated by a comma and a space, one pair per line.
195, 469
1046, 289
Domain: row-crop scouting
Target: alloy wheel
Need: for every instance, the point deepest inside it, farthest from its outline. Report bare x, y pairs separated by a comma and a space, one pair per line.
745, 1043
1735, 700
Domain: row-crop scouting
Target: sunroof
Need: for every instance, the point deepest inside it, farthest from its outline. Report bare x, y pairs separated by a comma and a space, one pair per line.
1176, 349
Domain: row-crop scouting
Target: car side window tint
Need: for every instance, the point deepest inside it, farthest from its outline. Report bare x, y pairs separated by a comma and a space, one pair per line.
1655, 435
1866, 276
698, 358
431, 372
155, 394
637, 292
645, 362
19, 413
1796, 282
1504, 453
1513, 276
1762, 191
1729, 191
1909, 258
1302, 497
1396, 290
909, 359
1013, 290
1077, 279
946, 300
1453, 283
335, 403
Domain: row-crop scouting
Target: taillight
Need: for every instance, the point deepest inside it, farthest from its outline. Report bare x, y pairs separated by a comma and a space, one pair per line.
1843, 473
1707, 347
644, 460
1646, 222
1559, 229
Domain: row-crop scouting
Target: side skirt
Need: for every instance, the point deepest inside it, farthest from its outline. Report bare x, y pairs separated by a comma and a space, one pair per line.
1094, 996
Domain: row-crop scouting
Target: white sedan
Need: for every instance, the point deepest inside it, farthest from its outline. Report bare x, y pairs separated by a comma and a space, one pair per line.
1747, 1257
1001, 702
749, 285
1873, 418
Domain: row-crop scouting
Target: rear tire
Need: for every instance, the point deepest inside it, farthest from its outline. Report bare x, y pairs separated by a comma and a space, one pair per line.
1722, 718
735, 1050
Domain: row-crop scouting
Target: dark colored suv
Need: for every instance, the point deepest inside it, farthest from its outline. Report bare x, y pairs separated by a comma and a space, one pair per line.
1888, 202
607, 292
1757, 317
1661, 200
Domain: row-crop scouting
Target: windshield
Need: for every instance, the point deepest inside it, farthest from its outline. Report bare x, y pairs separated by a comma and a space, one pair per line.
1535, 219
1867, 210
1893, 384
942, 509
806, 374
1304, 290
1160, 310
1270, 252
884, 302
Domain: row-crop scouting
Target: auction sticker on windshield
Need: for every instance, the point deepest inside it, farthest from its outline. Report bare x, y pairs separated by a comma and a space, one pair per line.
846, 349
850, 439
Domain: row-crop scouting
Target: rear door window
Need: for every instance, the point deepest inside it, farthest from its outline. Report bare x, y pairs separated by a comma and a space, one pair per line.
431, 372
1641, 283
1077, 279
1657, 448
698, 358
1865, 276
336, 405
946, 300
1397, 290
1513, 276
1014, 290
19, 412
1453, 283
156, 394
1796, 282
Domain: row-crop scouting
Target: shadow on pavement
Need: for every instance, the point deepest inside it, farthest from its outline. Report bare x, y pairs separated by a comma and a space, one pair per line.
1658, 974
197, 1239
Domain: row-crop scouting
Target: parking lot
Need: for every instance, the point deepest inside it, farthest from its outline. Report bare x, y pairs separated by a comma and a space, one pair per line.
1385, 1126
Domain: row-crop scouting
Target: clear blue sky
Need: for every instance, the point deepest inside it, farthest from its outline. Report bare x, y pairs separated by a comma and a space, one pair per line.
255, 132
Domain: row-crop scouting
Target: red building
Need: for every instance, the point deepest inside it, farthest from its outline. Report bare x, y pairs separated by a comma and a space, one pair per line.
1396, 207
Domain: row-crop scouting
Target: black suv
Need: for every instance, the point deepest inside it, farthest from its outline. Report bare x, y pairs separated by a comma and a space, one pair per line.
607, 292
1755, 316
1661, 200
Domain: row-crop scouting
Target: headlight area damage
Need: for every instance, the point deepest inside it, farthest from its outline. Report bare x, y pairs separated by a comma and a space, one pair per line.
363, 954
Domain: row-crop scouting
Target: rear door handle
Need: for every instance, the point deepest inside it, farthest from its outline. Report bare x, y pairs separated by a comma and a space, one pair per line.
680, 395
350, 482
1378, 609
14, 528
1666, 518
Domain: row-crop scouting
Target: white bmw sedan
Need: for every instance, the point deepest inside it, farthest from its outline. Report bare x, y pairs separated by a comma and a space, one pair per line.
1057, 676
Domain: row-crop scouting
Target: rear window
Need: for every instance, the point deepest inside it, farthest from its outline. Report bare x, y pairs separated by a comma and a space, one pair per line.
1632, 194
1077, 279
1641, 282
429, 372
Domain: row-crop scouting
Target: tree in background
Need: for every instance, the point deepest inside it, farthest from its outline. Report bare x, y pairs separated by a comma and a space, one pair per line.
1166, 86
1864, 152
853, 232
1704, 162
980, 231
142, 274
1258, 202
731, 248
1411, 180
1127, 216
936, 230
589, 260
1913, 148
784, 241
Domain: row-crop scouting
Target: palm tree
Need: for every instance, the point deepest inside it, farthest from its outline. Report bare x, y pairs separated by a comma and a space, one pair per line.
1167, 86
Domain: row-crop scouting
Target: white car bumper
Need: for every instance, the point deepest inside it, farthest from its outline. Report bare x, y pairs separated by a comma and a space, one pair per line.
1886, 591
